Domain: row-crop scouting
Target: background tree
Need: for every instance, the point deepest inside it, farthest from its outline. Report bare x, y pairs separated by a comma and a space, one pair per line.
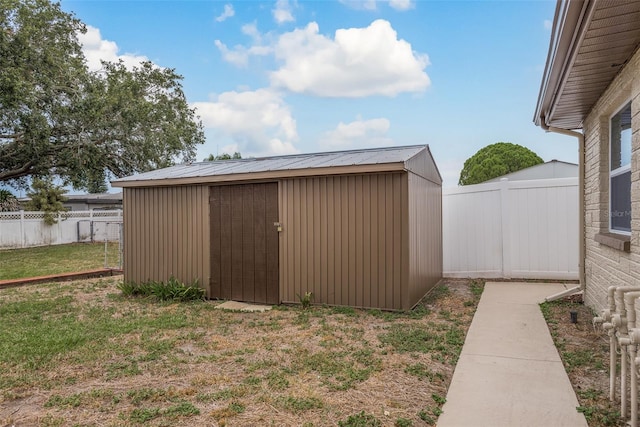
223, 156
8, 202
59, 119
495, 160
46, 197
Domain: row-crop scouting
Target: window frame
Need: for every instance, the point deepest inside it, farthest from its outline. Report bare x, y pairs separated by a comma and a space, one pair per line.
618, 171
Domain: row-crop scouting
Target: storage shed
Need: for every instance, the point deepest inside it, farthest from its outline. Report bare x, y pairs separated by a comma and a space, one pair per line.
358, 228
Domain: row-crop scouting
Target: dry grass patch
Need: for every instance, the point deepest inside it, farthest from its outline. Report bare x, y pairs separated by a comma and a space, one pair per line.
585, 354
80, 353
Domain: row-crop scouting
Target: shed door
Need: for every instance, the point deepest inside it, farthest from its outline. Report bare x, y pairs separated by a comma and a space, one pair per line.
244, 242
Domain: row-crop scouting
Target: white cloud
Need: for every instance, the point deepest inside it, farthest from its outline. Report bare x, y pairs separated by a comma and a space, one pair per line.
360, 4
258, 122
358, 134
401, 5
547, 24
95, 49
227, 13
239, 55
282, 12
358, 62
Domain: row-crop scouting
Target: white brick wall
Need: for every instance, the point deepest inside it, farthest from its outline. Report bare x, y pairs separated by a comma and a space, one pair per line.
606, 266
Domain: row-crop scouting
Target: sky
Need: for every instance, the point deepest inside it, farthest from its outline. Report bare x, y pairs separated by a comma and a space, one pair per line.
295, 76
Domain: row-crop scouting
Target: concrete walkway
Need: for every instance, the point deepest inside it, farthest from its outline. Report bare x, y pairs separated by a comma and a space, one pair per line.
509, 372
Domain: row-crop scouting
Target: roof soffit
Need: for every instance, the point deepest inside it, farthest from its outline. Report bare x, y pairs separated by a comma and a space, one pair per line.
591, 43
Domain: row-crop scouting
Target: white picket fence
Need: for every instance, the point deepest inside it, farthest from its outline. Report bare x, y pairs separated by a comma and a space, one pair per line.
512, 229
26, 229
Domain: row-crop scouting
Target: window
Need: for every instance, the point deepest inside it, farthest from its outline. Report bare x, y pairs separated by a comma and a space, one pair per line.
620, 172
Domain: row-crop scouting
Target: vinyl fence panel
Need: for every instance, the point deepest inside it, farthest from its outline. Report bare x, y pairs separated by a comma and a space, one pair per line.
26, 229
512, 229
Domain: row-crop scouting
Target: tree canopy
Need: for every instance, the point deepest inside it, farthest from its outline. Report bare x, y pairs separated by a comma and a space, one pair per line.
496, 160
57, 118
223, 156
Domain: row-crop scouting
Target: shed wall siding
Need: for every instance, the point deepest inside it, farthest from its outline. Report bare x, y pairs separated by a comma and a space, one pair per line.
606, 266
425, 236
166, 234
344, 239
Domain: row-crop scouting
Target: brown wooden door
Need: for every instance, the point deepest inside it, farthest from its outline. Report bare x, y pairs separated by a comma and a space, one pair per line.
244, 242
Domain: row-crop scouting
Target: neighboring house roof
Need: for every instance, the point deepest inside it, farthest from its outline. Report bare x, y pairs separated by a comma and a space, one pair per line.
548, 170
90, 199
591, 41
332, 163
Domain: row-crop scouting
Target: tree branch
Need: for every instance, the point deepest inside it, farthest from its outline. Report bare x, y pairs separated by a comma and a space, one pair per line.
24, 170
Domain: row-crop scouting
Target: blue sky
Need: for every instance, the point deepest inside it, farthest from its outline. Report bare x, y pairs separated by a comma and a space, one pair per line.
280, 77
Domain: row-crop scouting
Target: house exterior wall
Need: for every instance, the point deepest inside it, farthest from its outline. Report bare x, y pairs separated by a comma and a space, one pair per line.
424, 227
166, 233
346, 239
604, 265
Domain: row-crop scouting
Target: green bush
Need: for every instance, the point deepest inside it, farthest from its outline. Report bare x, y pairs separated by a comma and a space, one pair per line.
172, 290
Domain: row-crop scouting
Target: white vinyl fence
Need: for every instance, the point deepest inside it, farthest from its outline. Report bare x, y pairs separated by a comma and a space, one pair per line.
512, 229
25, 229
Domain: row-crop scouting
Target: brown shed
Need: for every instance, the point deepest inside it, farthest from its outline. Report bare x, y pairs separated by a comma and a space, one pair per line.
361, 228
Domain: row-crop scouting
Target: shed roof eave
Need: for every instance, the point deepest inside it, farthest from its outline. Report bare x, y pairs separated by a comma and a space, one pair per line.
265, 175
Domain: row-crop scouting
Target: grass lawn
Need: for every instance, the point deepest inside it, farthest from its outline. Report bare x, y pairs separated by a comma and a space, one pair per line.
80, 353
45, 260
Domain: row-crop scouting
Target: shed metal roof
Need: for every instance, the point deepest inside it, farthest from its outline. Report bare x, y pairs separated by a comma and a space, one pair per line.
591, 41
329, 163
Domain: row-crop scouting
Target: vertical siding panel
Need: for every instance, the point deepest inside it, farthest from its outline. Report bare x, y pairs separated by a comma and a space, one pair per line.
272, 242
216, 227
282, 218
407, 289
382, 242
332, 208
226, 273
291, 256
297, 211
388, 228
156, 199
317, 240
397, 241
352, 243
236, 247
259, 249
375, 241
344, 225
304, 238
248, 241
359, 242
324, 262
366, 241
338, 245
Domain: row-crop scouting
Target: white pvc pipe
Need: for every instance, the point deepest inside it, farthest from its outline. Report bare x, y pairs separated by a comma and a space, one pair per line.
619, 321
629, 301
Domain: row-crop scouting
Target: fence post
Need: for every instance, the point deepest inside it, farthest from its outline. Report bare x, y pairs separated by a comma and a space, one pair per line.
22, 243
506, 230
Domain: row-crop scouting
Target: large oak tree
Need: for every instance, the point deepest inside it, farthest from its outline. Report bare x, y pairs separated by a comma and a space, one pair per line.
57, 118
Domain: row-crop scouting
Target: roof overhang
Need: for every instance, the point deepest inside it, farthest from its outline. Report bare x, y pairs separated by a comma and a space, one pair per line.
591, 41
263, 176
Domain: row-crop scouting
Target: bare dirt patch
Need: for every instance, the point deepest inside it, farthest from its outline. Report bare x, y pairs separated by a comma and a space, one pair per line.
108, 360
585, 354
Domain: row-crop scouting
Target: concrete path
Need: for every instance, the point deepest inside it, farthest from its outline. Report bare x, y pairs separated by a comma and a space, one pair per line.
509, 372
